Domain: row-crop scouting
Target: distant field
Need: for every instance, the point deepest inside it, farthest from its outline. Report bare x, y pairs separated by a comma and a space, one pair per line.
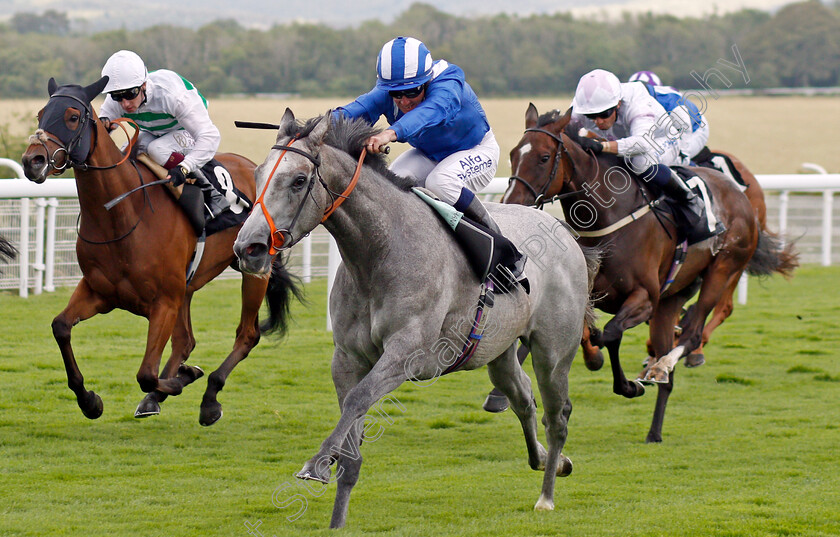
770, 134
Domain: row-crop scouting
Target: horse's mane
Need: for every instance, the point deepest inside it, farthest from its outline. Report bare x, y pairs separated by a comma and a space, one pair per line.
350, 135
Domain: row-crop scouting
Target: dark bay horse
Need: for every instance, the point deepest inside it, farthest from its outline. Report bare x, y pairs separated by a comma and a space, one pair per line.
135, 256
404, 299
630, 284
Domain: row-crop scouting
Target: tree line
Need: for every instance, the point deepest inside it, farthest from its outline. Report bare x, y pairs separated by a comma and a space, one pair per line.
503, 55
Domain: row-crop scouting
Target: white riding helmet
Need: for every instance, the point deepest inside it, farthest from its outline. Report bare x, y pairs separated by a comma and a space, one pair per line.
596, 92
125, 70
648, 77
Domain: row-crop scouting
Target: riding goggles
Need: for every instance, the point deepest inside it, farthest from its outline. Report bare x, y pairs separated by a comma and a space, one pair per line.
601, 115
129, 94
410, 93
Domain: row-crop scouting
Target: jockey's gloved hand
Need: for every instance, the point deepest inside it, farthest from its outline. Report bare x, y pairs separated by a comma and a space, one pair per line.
178, 175
589, 144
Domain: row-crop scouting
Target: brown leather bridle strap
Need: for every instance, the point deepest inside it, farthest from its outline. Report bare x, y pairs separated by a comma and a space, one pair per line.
344, 195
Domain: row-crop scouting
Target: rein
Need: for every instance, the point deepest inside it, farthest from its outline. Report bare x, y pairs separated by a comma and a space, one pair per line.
279, 236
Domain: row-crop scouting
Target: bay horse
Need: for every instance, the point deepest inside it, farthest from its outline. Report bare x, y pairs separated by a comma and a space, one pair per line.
404, 292
135, 256
631, 283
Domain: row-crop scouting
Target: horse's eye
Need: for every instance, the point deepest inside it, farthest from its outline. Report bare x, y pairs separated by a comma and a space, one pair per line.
545, 158
299, 182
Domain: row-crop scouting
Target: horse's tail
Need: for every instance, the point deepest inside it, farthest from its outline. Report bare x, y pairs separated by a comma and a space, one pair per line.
592, 255
7, 251
773, 254
282, 285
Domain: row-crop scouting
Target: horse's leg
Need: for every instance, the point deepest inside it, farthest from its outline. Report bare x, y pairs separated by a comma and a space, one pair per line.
496, 400
722, 311
719, 276
510, 379
386, 376
662, 341
346, 375
247, 337
636, 309
593, 358
83, 304
551, 366
183, 343
655, 433
161, 324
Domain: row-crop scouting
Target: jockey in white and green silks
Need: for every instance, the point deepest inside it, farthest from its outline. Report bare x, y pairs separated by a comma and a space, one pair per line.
175, 127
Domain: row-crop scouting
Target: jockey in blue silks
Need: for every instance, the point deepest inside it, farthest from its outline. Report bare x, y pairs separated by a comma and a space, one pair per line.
692, 140
429, 105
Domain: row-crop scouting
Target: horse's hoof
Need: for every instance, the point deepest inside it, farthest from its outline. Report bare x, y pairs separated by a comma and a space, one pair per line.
495, 403
544, 505
655, 376
695, 360
190, 373
594, 363
147, 407
310, 472
210, 414
565, 467
92, 405
653, 439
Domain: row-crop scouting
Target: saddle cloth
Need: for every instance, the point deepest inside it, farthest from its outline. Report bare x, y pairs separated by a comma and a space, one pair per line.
722, 163
240, 205
696, 221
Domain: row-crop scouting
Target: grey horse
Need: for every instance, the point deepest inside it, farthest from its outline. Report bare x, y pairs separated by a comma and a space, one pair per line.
404, 289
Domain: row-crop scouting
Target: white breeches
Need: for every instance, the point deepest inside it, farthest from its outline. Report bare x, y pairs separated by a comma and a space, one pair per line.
160, 147
472, 168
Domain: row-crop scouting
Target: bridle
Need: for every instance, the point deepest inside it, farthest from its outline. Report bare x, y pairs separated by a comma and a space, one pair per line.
43, 137
282, 238
539, 196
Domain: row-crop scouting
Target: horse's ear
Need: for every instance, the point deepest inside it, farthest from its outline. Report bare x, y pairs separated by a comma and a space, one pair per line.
96, 88
287, 120
531, 116
320, 130
52, 85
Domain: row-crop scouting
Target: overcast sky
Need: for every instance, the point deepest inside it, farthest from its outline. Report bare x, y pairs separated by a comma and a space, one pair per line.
132, 14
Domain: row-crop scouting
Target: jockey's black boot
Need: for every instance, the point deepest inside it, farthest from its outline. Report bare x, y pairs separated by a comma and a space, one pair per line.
477, 212
192, 202
677, 190
214, 201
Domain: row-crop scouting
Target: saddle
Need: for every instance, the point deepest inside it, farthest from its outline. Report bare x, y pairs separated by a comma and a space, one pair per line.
213, 203
695, 220
722, 163
490, 255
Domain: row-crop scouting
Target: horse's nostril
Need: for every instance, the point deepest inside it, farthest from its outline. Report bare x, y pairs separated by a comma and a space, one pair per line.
255, 249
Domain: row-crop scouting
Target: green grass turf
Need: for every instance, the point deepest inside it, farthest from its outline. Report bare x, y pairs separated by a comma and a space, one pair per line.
750, 438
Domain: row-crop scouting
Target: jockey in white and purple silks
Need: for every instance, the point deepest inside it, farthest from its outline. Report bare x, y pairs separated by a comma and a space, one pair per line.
692, 139
429, 105
635, 127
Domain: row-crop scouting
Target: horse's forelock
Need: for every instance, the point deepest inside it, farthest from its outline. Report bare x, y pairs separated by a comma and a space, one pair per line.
549, 117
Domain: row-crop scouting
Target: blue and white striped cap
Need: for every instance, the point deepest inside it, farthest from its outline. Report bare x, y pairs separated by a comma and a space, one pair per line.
403, 63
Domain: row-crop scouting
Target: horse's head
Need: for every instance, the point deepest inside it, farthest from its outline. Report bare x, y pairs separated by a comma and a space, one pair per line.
65, 130
537, 164
289, 205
